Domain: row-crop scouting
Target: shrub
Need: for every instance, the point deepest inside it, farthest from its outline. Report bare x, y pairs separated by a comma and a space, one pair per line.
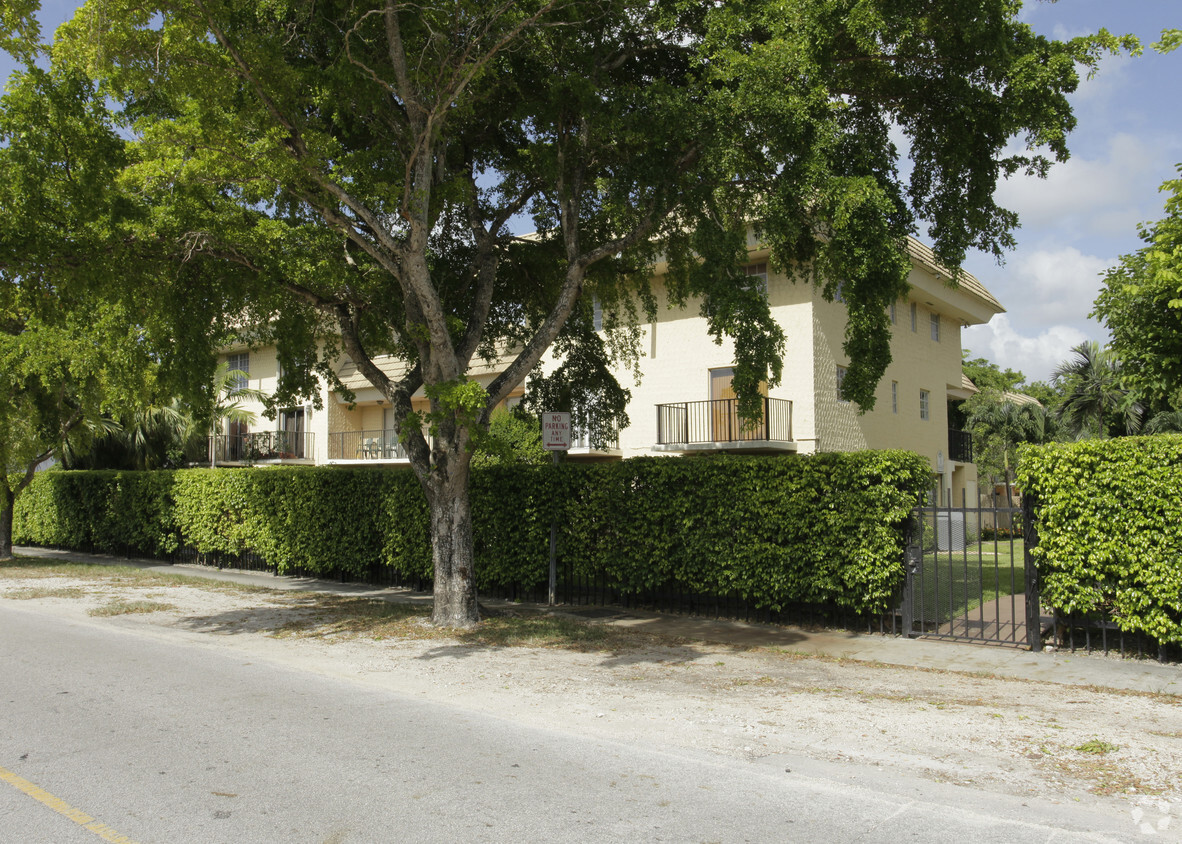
824, 529
1109, 517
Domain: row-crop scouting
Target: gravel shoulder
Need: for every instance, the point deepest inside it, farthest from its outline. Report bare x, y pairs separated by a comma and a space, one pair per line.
1021, 738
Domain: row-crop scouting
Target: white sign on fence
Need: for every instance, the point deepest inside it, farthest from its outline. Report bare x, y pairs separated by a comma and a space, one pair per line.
556, 431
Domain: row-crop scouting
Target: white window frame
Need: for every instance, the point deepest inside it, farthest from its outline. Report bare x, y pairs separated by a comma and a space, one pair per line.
841, 373
935, 321
925, 404
241, 362
757, 275
914, 317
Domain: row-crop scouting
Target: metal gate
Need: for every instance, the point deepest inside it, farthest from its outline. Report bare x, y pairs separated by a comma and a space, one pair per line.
970, 576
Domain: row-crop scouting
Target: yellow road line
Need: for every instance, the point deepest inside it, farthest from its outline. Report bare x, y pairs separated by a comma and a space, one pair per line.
64, 809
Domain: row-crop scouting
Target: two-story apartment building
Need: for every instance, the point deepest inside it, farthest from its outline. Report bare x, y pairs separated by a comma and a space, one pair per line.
684, 403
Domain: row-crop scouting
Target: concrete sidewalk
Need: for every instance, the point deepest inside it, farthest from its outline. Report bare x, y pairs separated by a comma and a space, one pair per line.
1077, 669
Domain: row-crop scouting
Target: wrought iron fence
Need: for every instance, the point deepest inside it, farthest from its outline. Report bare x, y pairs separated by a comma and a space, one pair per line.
366, 445
967, 577
582, 438
262, 446
718, 420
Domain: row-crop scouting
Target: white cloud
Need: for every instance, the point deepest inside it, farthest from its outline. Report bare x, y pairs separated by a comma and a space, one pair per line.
1041, 288
1036, 357
1106, 195
1048, 287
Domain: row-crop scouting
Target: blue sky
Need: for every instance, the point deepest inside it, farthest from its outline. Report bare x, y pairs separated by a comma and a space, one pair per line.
1081, 219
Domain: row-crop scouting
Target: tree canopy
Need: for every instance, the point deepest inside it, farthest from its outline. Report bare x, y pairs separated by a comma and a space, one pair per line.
1141, 304
342, 177
71, 356
987, 375
999, 426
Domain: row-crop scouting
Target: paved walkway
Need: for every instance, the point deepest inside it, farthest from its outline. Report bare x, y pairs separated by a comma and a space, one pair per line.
1005, 662
1001, 620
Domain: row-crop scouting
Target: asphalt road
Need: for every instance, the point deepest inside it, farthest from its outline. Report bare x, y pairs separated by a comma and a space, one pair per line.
110, 734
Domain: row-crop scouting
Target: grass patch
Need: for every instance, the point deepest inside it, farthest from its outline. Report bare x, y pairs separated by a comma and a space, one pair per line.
121, 607
34, 592
1097, 747
334, 616
32, 568
548, 631
952, 583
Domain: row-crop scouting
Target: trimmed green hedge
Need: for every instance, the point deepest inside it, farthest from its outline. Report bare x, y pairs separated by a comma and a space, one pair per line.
1109, 523
825, 529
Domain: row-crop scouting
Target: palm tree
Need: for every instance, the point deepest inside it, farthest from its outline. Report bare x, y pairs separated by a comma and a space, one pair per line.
229, 390
146, 438
1165, 422
1094, 393
1008, 423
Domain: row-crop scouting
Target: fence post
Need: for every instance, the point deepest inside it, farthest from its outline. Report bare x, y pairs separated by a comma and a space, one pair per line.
912, 560
1033, 592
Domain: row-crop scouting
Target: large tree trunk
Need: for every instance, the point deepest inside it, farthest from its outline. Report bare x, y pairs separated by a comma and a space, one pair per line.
7, 505
451, 544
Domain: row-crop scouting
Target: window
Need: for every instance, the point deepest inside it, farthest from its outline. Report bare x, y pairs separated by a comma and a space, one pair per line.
925, 404
894, 397
596, 314
241, 363
894, 315
914, 317
757, 277
290, 437
936, 327
839, 293
841, 370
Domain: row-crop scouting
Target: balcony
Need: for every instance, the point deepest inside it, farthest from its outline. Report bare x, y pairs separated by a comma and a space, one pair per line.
716, 426
960, 446
365, 446
606, 446
262, 447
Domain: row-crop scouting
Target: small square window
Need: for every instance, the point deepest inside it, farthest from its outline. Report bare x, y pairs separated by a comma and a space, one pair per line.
936, 327
841, 371
925, 404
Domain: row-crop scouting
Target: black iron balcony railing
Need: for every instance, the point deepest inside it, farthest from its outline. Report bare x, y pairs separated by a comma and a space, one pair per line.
718, 421
365, 445
607, 441
262, 445
960, 446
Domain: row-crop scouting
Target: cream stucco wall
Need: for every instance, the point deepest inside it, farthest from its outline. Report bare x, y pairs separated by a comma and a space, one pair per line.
264, 376
919, 363
677, 356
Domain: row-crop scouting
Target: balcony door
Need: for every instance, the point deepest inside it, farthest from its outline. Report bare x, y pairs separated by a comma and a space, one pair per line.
237, 434
726, 426
291, 423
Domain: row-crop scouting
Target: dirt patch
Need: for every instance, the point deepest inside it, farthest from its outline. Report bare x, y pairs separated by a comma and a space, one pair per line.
1016, 737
